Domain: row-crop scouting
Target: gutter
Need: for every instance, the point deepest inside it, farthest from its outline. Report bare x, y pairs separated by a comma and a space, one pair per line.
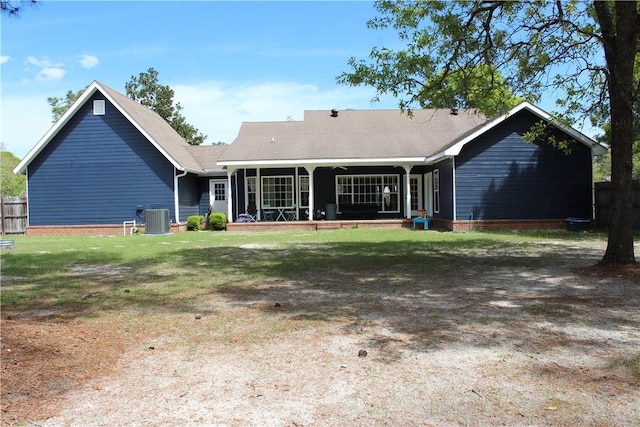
176, 193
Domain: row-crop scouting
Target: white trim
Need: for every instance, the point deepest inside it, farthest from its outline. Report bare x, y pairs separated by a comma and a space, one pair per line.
397, 191
436, 197
428, 192
55, 128
82, 99
323, 162
407, 192
455, 149
176, 194
420, 201
312, 202
453, 179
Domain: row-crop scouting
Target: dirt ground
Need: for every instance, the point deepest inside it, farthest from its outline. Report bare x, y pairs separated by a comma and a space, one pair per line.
544, 346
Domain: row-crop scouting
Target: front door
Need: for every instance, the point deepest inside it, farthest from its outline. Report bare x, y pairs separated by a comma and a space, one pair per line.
218, 195
416, 194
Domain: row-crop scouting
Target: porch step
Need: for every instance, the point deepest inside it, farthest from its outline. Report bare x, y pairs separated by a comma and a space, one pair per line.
328, 225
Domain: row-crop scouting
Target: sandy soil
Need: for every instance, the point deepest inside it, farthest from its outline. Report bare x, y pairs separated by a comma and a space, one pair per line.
558, 345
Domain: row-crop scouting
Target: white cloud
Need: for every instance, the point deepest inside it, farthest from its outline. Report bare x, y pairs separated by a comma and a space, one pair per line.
4, 59
48, 71
89, 61
218, 109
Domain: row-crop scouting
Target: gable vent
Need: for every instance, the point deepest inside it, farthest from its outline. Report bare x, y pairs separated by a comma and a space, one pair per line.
98, 107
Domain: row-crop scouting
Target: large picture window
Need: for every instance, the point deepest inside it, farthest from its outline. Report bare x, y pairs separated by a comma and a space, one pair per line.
277, 191
381, 190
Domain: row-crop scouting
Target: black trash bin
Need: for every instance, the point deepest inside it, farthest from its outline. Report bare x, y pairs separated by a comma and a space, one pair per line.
578, 224
331, 211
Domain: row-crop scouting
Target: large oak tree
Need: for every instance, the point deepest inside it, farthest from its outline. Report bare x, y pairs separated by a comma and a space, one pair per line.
584, 53
147, 90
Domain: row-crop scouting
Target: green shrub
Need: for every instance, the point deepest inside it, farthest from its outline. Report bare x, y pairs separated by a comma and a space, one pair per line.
218, 221
194, 221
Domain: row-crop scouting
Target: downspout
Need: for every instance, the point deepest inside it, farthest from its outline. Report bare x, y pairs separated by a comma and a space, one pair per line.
176, 194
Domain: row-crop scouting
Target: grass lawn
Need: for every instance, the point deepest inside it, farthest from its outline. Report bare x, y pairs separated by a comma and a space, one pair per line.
157, 271
542, 336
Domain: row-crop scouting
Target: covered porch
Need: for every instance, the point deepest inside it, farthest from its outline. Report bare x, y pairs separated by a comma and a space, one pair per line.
352, 192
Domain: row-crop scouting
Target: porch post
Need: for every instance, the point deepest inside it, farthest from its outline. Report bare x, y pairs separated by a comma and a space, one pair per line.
407, 189
310, 170
259, 194
230, 197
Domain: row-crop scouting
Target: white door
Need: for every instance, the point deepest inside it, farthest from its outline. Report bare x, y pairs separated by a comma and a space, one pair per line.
218, 195
428, 192
416, 194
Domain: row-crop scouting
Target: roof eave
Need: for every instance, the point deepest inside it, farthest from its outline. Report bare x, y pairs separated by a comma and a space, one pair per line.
321, 162
142, 130
21, 168
455, 149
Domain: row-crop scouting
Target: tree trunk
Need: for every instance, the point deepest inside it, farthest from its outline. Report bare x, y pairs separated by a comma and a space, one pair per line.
620, 25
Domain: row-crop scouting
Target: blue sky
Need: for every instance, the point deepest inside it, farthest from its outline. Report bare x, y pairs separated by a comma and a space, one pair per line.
228, 62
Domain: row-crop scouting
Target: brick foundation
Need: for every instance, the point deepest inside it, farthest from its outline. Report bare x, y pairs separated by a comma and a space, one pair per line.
439, 224
496, 225
90, 230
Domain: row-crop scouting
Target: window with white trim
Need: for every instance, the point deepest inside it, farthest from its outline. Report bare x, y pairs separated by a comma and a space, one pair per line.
98, 107
382, 190
416, 192
303, 185
251, 191
277, 191
436, 190
220, 191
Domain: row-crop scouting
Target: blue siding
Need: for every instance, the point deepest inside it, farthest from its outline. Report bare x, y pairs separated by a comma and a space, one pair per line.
189, 196
499, 176
446, 189
97, 170
203, 190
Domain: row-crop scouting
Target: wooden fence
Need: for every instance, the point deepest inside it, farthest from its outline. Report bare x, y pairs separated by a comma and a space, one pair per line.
603, 198
13, 215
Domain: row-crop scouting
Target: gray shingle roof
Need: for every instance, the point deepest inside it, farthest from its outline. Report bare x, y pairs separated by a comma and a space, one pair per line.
167, 139
353, 134
207, 156
182, 155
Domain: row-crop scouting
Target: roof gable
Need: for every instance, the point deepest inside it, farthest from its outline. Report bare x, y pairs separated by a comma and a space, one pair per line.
455, 148
155, 129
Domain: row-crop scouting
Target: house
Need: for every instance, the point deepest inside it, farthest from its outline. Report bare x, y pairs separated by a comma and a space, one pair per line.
108, 159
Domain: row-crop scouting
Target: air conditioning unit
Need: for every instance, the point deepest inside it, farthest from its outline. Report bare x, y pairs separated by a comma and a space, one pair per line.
156, 221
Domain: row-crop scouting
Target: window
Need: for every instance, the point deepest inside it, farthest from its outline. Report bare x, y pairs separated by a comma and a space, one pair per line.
436, 190
98, 107
382, 190
220, 191
416, 192
277, 191
251, 191
304, 190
